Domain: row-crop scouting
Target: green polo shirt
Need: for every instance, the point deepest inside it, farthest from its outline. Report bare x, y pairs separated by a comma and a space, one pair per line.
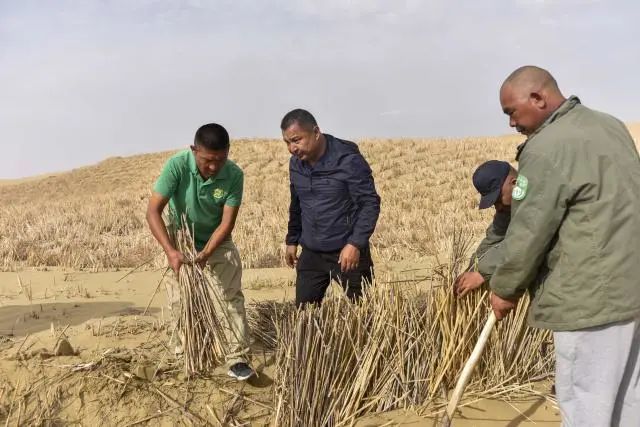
200, 200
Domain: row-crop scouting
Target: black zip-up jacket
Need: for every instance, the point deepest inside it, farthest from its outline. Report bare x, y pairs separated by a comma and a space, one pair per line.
334, 202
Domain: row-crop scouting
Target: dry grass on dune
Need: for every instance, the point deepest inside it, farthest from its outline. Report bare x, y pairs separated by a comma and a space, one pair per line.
93, 217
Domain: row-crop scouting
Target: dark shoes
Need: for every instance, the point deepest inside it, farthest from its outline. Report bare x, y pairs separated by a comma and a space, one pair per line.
240, 371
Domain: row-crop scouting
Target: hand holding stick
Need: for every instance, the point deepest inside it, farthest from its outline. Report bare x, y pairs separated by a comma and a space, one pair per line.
468, 369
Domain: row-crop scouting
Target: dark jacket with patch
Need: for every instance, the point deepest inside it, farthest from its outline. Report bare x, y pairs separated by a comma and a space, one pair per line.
334, 202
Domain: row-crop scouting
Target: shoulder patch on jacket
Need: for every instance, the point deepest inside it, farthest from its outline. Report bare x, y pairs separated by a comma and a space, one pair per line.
520, 190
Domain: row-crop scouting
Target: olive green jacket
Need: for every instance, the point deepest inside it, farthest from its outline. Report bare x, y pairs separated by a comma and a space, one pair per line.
575, 223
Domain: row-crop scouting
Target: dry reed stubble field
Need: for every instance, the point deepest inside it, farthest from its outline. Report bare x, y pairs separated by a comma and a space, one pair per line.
400, 347
93, 217
125, 377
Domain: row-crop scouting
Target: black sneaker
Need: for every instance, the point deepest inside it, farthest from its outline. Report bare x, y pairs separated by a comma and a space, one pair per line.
240, 371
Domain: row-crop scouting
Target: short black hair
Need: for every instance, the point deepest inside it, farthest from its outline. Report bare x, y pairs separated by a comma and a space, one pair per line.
302, 117
212, 136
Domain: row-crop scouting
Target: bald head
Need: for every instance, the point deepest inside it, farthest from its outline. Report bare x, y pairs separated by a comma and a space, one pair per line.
532, 77
529, 96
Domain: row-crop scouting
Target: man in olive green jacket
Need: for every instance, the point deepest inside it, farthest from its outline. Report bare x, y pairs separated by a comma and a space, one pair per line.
494, 180
575, 235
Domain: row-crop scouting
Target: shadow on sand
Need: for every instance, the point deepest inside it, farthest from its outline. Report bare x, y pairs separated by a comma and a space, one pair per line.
18, 320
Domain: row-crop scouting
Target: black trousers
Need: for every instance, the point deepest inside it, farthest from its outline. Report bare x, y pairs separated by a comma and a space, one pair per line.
315, 270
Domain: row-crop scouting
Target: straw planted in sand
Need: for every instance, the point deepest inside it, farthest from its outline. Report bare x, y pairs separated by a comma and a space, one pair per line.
400, 348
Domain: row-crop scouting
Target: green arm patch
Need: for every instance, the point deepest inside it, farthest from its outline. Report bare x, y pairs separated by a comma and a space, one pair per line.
520, 190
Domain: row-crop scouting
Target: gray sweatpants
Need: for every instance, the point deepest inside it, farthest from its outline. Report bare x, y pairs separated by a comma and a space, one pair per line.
598, 375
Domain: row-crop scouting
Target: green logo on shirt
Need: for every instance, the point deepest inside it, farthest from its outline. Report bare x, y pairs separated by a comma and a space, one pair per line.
218, 193
520, 190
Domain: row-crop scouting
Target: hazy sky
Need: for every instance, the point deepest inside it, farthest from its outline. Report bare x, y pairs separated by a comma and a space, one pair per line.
84, 80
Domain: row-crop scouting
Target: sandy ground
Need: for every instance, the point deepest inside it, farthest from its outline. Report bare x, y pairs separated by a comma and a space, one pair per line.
104, 312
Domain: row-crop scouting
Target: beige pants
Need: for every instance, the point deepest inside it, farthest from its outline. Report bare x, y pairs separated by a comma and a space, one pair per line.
226, 270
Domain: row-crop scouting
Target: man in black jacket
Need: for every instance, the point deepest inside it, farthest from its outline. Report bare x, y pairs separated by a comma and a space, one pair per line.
333, 212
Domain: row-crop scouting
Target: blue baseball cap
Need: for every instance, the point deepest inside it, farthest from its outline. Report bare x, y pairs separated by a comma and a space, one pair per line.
488, 180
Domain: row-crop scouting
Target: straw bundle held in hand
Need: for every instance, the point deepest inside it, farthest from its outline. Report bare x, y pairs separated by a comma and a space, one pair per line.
199, 325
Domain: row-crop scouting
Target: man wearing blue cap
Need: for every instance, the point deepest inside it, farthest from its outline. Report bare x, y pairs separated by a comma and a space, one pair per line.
495, 181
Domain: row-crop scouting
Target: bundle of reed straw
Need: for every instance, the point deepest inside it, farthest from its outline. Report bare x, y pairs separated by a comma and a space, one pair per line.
200, 323
341, 360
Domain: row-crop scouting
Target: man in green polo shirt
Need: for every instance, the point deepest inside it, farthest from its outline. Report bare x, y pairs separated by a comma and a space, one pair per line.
206, 187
